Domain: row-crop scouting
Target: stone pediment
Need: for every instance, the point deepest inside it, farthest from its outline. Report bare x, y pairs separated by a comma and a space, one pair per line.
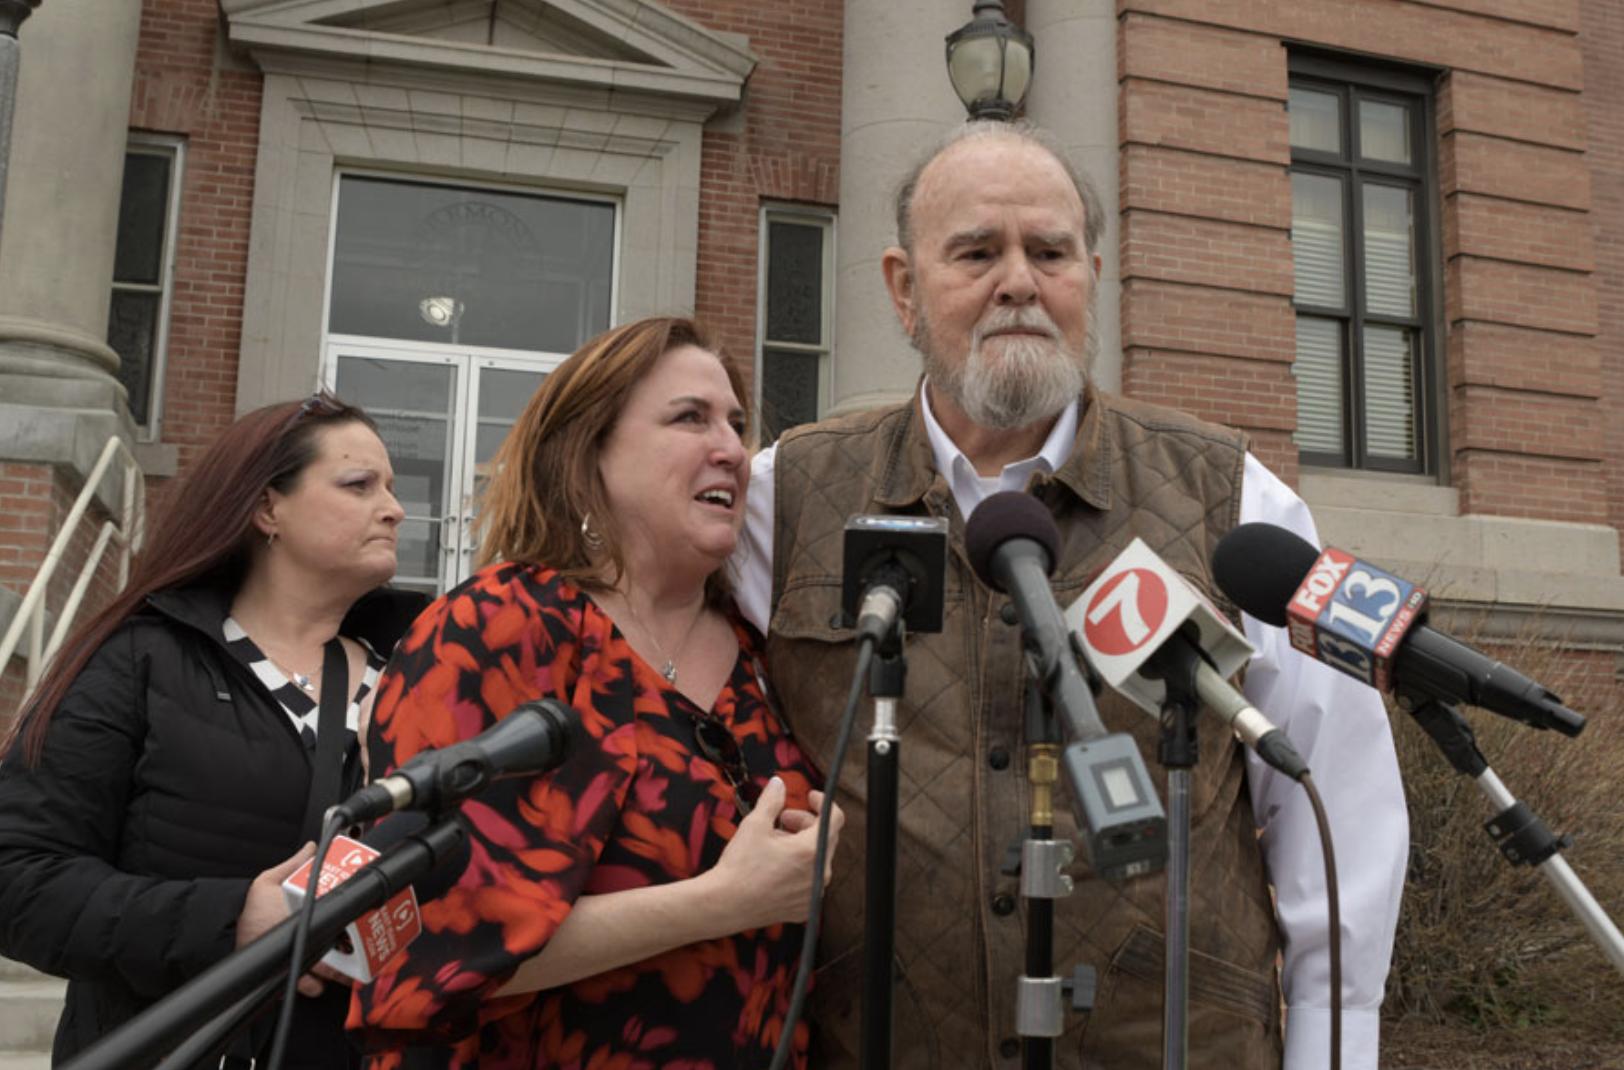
629, 45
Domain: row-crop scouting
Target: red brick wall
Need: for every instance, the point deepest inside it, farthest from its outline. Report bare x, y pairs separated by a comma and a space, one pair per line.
25, 490
786, 148
1207, 321
1206, 217
187, 85
39, 498
1603, 45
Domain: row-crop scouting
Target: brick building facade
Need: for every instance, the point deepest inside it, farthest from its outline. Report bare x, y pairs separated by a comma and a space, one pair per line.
1507, 503
746, 153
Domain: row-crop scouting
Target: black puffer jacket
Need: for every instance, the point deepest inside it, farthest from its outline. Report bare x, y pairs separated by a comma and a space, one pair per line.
170, 778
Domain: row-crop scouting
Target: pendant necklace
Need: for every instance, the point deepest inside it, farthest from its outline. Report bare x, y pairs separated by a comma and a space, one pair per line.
669, 668
304, 681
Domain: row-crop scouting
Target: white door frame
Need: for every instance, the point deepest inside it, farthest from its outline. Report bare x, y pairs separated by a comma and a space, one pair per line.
466, 364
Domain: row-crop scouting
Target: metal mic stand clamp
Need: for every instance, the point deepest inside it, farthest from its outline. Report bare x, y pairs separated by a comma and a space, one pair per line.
1522, 837
1040, 995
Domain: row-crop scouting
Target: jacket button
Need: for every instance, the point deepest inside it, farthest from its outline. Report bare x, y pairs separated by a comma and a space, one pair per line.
1008, 615
998, 758
1009, 1047
1003, 904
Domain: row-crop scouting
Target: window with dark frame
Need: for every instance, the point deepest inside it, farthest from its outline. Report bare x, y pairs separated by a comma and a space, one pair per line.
1366, 283
137, 317
796, 317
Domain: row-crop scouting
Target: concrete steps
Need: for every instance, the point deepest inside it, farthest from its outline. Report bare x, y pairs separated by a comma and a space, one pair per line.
30, 1004
39, 1061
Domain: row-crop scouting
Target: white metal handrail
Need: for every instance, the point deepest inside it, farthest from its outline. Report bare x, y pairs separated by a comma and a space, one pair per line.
30, 615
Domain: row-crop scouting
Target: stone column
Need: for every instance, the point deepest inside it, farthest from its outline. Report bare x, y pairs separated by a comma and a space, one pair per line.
1074, 96
12, 14
61, 207
896, 101
59, 400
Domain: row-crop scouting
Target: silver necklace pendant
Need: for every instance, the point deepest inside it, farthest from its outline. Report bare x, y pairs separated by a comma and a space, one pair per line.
669, 671
303, 682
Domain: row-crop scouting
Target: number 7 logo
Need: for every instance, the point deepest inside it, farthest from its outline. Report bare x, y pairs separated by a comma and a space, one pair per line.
1126, 612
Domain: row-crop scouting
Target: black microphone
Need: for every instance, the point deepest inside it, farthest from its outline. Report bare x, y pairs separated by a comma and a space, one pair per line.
1147, 630
532, 739
893, 567
1369, 623
1013, 544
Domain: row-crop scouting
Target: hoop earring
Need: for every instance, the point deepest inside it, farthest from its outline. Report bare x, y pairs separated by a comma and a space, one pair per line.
270, 539
592, 539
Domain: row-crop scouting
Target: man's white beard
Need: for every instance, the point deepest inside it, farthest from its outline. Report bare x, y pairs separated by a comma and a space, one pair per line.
1032, 380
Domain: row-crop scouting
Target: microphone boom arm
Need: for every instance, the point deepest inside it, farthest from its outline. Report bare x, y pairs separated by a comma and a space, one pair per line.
222, 987
1521, 836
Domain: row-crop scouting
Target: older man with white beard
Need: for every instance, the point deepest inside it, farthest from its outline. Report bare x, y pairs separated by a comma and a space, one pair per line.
993, 279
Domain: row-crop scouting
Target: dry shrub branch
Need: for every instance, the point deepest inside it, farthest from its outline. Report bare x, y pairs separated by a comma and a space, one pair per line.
1488, 947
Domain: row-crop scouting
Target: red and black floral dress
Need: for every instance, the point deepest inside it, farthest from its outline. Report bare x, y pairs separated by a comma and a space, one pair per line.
635, 804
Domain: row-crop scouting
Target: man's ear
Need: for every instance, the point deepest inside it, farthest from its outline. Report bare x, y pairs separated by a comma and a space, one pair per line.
899, 283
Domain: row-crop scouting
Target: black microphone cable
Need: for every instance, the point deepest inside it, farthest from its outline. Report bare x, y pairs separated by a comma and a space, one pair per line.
809, 944
301, 937
1333, 914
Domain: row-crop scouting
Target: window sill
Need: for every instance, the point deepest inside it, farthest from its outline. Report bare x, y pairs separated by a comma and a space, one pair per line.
1470, 563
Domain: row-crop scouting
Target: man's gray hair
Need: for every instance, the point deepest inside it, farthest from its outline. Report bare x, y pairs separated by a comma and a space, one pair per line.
988, 130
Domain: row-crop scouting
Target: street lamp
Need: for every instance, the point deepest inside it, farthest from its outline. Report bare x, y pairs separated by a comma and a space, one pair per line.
990, 62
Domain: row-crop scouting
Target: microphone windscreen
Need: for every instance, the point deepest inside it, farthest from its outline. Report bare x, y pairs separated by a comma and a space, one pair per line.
1259, 566
1009, 514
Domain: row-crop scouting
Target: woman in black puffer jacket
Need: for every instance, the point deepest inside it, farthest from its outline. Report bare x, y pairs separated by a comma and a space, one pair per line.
161, 782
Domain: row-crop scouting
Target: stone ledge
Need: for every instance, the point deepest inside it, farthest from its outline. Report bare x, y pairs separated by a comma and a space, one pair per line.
1506, 578
1377, 490
73, 437
157, 458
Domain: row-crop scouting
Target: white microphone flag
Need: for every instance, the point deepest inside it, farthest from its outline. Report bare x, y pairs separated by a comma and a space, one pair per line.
1129, 611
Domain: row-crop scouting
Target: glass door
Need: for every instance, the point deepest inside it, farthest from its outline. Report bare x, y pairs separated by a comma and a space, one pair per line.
415, 400
442, 417
500, 389
447, 305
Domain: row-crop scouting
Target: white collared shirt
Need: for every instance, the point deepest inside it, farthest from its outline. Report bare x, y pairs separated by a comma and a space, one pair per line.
969, 487
1337, 724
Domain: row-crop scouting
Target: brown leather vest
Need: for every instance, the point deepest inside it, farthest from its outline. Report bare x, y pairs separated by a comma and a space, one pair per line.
1136, 470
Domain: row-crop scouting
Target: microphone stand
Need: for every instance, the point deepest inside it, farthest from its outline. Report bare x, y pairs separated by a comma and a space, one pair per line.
1522, 837
887, 675
222, 1027
1039, 996
224, 988
1178, 752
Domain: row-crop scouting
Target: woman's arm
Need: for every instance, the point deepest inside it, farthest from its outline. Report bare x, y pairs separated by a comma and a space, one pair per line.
65, 907
764, 877
509, 635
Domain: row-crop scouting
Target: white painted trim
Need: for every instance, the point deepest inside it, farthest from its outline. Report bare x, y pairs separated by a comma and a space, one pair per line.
175, 149
684, 57
551, 140
806, 215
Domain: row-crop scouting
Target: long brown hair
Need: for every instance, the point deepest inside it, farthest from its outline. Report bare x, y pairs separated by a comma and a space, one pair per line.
546, 480
204, 536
